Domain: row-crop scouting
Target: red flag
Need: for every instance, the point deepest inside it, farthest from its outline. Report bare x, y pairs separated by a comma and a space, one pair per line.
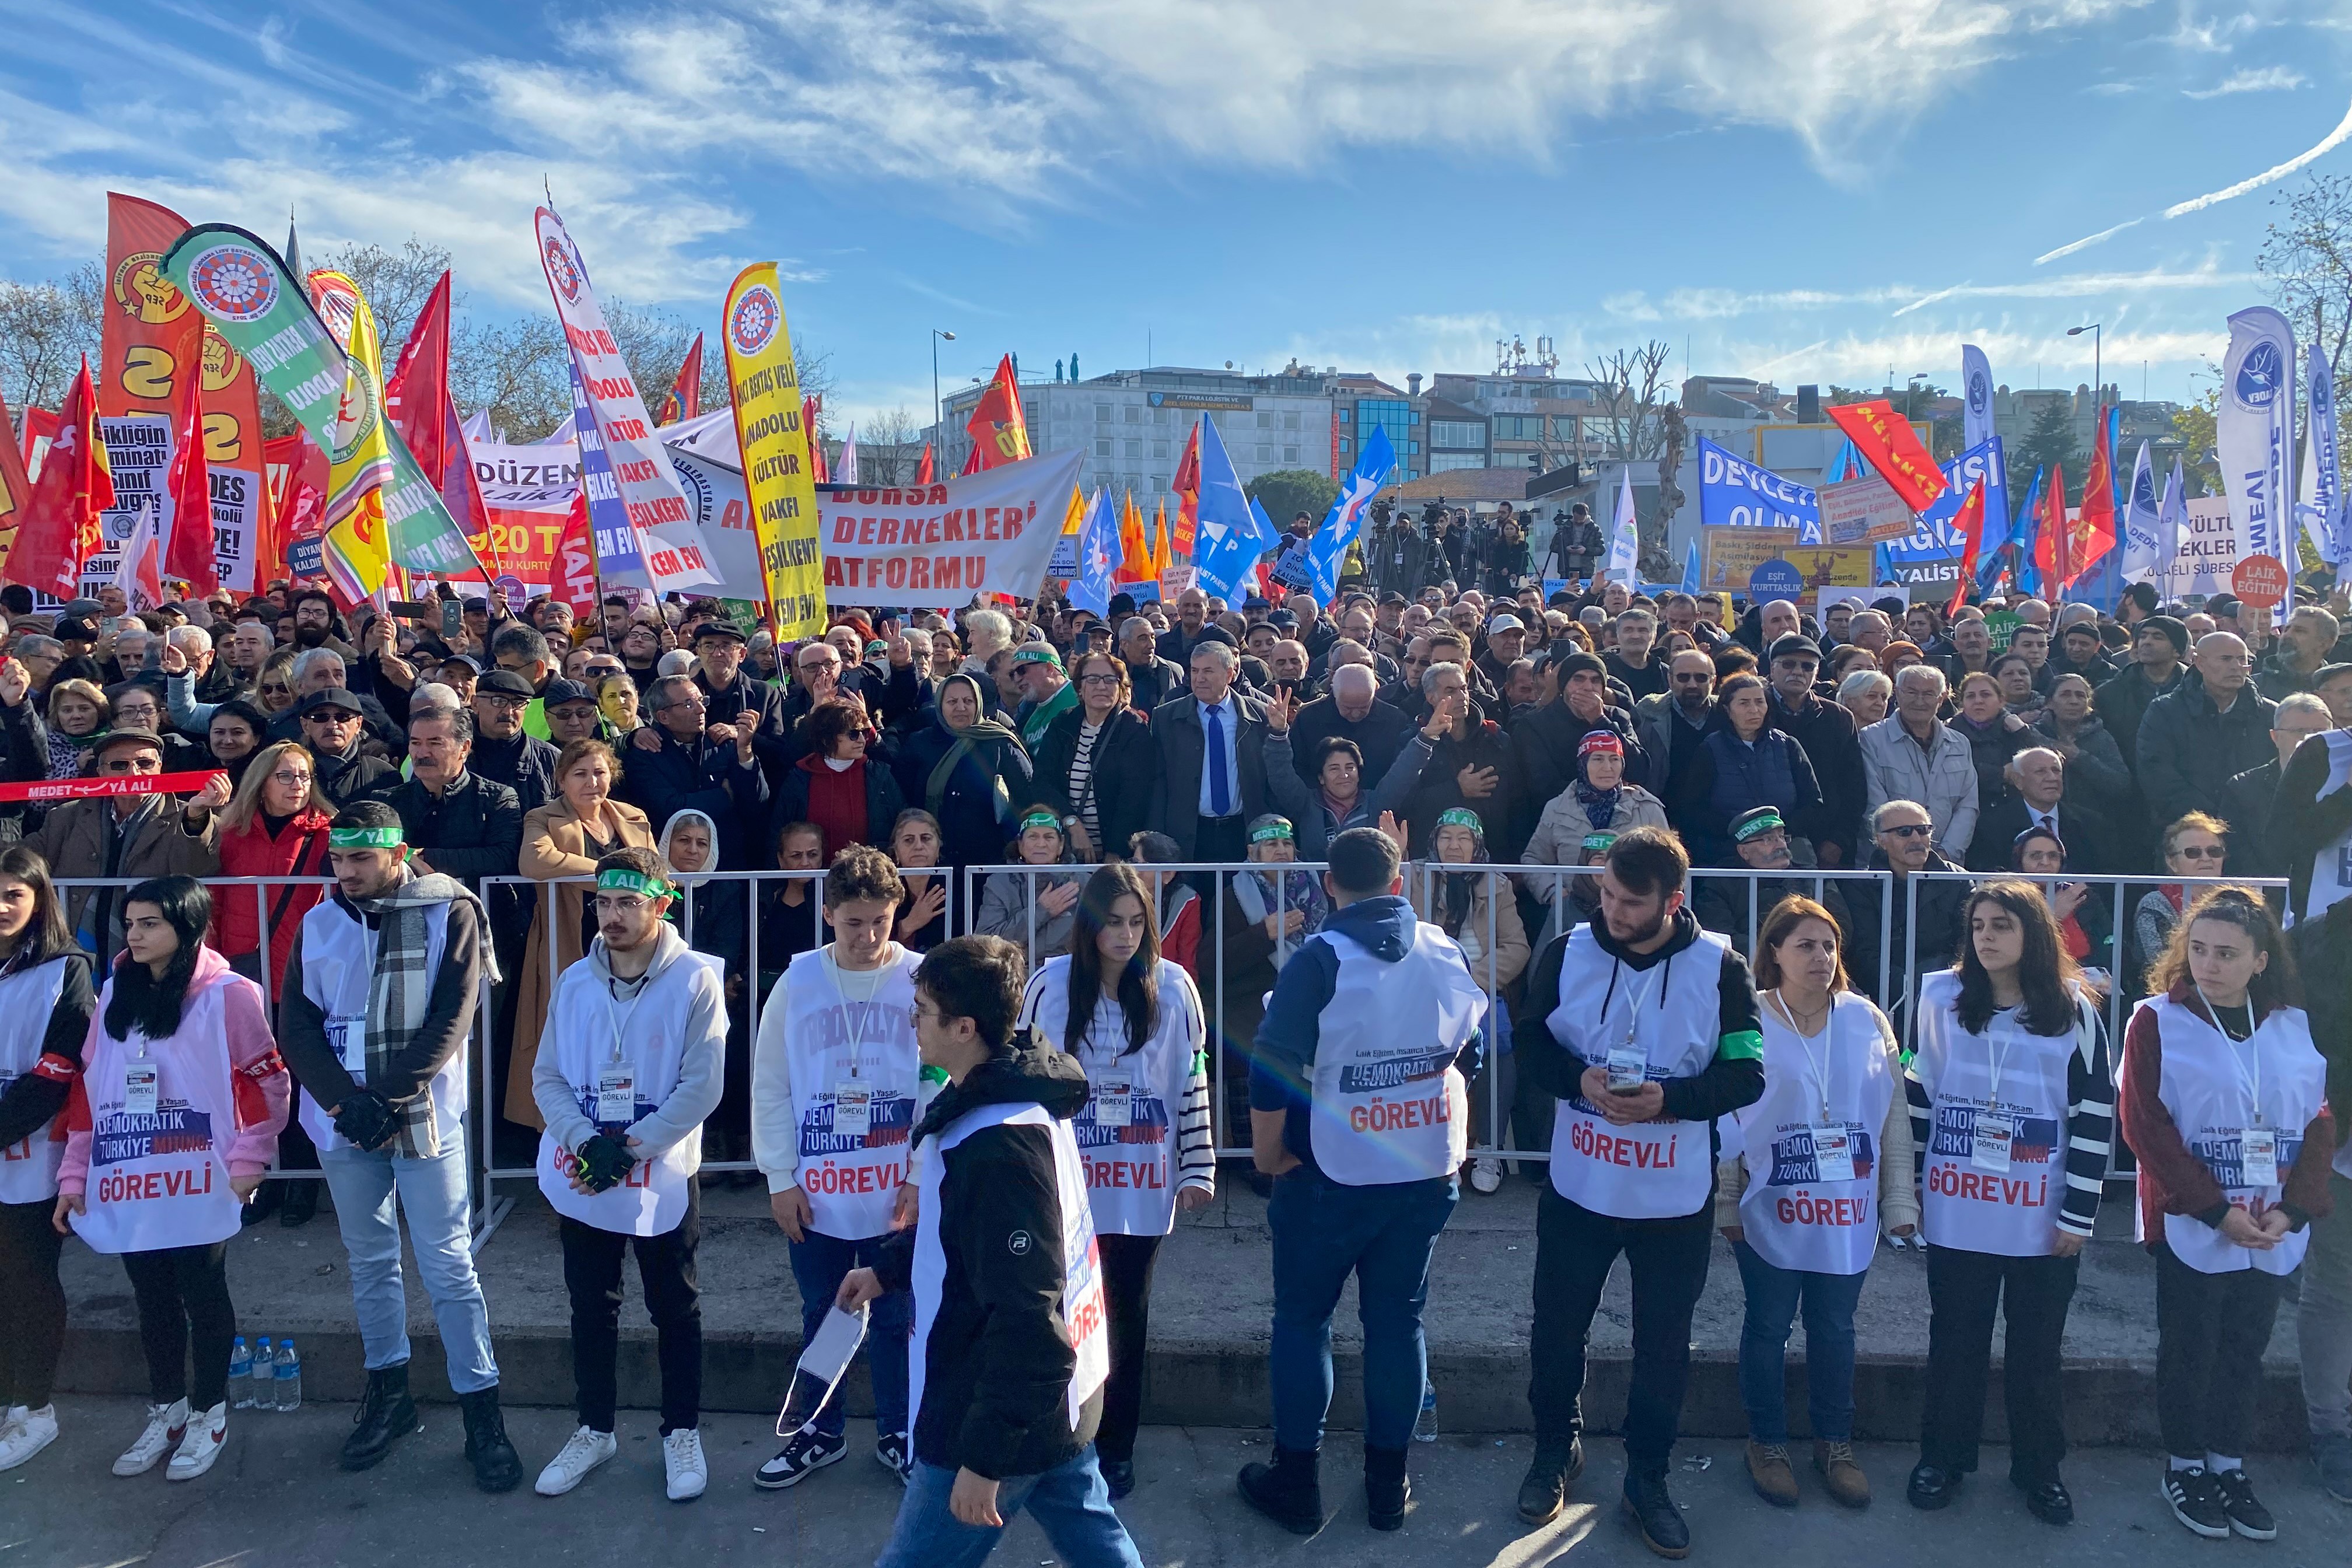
15, 485
2092, 532
685, 399
810, 408
1971, 522
1187, 486
141, 575
923, 474
40, 429
999, 433
1889, 444
60, 528
418, 386
191, 555
2052, 558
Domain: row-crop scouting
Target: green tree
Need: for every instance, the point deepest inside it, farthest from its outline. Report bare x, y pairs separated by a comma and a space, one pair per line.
1285, 492
2050, 441
2200, 469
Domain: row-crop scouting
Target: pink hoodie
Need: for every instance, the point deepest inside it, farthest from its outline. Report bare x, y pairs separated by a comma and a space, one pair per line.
263, 1087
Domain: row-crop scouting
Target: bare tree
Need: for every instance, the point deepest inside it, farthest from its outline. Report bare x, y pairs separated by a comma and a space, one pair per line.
395, 283
1672, 434
520, 370
1628, 383
45, 330
889, 447
2306, 255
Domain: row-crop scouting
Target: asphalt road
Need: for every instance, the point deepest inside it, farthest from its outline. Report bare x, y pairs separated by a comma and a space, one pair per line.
277, 1499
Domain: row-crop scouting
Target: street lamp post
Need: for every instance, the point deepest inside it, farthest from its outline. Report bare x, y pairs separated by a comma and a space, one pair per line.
2098, 390
939, 436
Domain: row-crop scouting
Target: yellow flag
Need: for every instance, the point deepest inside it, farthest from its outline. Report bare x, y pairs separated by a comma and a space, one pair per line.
359, 456
767, 393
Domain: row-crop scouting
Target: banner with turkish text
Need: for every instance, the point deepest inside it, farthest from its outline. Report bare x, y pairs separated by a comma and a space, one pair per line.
935, 547
1888, 444
771, 433
2254, 429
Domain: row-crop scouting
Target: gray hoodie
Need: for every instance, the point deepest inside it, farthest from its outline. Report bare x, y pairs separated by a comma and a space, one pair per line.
701, 1069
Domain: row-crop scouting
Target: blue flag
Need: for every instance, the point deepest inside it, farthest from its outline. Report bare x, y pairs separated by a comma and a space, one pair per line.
1735, 493
1929, 556
1232, 532
1097, 557
1690, 568
1329, 548
2020, 533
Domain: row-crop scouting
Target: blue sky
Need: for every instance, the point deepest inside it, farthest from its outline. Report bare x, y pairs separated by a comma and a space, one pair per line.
1804, 190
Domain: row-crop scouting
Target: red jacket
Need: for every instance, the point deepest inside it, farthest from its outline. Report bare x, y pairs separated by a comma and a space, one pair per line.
299, 850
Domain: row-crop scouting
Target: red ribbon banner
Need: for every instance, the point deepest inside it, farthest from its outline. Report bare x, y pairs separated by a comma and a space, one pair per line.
113, 784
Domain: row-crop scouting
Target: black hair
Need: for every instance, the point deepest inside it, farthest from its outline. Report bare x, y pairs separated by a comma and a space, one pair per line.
976, 977
138, 998
367, 814
633, 857
1337, 745
861, 872
46, 935
1139, 983
1363, 862
525, 642
2045, 970
460, 722
1649, 862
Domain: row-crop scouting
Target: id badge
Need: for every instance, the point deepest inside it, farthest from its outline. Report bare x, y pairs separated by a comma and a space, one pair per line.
1114, 1102
616, 1097
1989, 1149
1629, 1067
853, 1109
2258, 1156
346, 1039
1832, 1153
140, 1082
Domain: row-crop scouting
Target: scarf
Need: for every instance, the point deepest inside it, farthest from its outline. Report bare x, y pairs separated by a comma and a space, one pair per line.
1599, 804
968, 742
1033, 729
401, 990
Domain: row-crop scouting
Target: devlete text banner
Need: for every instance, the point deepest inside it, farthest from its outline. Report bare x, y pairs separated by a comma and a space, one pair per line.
774, 442
935, 546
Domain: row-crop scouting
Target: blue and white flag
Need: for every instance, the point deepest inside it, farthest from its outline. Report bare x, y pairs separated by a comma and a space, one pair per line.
1098, 556
2171, 526
1844, 464
1976, 396
2254, 429
1735, 493
1929, 556
1691, 568
1625, 535
1232, 532
2321, 505
2144, 555
1374, 467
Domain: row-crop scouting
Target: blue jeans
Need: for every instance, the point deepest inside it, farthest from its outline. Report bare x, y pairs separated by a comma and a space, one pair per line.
1773, 1295
1385, 1236
819, 1266
1070, 1502
440, 1227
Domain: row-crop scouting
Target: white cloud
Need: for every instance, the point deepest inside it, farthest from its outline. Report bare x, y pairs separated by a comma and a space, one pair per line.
2085, 285
2269, 79
2328, 143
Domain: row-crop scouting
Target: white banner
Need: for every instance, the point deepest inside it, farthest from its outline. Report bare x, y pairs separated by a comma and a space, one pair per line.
2254, 429
721, 503
2208, 552
936, 545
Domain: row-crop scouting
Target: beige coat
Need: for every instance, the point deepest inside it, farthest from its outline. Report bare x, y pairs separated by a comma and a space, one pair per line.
72, 839
554, 844
1425, 882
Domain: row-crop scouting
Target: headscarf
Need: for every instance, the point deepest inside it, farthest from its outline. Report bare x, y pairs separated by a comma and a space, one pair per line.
1453, 898
1599, 804
982, 731
670, 868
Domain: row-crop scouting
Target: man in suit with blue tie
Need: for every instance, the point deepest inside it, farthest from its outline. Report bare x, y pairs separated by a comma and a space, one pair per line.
1215, 770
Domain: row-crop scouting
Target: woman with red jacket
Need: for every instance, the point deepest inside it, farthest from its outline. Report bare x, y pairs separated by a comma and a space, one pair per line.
853, 796
275, 826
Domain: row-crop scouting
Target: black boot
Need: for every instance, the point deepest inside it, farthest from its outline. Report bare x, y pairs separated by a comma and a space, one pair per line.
1557, 1462
387, 1416
302, 1203
267, 1197
497, 1467
1386, 1490
1287, 1492
1654, 1515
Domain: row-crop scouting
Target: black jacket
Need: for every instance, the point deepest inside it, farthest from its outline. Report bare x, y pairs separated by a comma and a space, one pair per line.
1124, 764
999, 1356
1382, 735
1940, 904
2189, 751
1483, 745
707, 777
473, 831
1546, 741
525, 764
2123, 703
2080, 826
375, 724
2304, 824
448, 1016
33, 1100
1827, 734
343, 780
1154, 683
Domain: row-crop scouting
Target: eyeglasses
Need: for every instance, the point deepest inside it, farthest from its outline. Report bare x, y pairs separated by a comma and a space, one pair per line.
2202, 852
683, 702
276, 688
918, 1012
331, 716
1908, 829
1694, 678
507, 700
1099, 679
291, 780
144, 763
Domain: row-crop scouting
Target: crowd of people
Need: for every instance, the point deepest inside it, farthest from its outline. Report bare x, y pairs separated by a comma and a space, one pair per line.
1522, 808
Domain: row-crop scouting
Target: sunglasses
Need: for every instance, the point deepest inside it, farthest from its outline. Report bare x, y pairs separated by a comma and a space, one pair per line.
277, 688
1910, 829
2200, 852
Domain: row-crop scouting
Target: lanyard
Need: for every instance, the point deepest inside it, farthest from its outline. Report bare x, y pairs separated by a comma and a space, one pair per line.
1995, 1059
2250, 1065
619, 1019
1820, 1069
1633, 995
865, 1005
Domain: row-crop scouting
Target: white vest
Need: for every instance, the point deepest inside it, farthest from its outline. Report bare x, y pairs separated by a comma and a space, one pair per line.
1083, 1309
1651, 1170
2208, 1082
2331, 867
1131, 1170
852, 1181
581, 1028
1389, 1103
29, 1168
161, 1181
338, 967
2013, 1215
1792, 1218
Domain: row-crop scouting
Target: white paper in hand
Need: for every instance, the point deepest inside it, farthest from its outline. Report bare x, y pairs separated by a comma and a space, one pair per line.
822, 1366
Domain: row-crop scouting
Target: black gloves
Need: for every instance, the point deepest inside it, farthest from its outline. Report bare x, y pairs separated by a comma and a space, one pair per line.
604, 1160
366, 1118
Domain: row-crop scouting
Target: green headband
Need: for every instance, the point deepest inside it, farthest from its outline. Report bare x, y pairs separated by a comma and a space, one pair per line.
365, 838
621, 880
1041, 819
1455, 817
1765, 821
1271, 830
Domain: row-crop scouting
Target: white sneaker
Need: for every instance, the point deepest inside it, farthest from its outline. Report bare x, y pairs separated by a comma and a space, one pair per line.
1487, 1175
165, 1425
26, 1433
682, 1462
587, 1449
207, 1434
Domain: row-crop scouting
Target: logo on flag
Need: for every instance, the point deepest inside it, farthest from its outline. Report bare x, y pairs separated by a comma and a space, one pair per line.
145, 294
2260, 376
561, 270
755, 317
234, 283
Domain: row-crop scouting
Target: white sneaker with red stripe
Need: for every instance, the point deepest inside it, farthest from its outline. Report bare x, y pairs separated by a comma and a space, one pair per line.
166, 1424
206, 1436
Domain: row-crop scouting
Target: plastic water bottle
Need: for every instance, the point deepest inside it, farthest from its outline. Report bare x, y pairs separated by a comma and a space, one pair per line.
240, 1375
289, 1376
259, 1390
1424, 1429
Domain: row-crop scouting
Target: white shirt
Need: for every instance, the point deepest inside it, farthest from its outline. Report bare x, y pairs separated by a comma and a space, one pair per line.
1227, 716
